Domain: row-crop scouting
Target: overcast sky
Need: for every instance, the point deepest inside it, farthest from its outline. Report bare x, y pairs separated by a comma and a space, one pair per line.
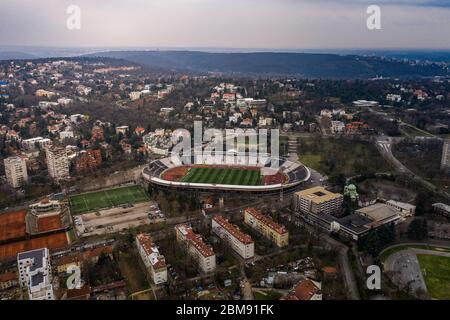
274, 24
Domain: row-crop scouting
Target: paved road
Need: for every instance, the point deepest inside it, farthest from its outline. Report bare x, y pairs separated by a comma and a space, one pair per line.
384, 145
349, 277
405, 270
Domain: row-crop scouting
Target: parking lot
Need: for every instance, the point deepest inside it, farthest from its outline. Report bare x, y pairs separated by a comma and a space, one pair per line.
117, 219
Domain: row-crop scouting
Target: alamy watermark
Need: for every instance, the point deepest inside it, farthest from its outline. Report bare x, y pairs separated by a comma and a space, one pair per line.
374, 277
74, 280
230, 147
73, 21
374, 19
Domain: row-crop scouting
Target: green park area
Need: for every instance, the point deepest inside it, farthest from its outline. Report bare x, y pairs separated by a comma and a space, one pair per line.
341, 156
436, 272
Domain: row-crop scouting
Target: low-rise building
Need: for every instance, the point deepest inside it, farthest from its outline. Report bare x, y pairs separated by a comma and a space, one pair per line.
197, 249
8, 280
240, 242
153, 260
305, 290
405, 209
266, 226
122, 130
135, 95
442, 209
337, 126
380, 213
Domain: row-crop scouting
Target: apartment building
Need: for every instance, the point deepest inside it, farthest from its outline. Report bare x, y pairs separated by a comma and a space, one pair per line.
153, 260
318, 200
197, 249
240, 242
35, 274
16, 171
57, 163
266, 226
441, 209
445, 160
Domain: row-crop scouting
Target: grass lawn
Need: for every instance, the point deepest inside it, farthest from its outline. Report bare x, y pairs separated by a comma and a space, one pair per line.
231, 176
267, 295
411, 131
436, 272
134, 275
385, 254
106, 199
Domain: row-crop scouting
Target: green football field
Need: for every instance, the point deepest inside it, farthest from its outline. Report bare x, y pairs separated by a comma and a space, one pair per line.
436, 273
231, 176
106, 199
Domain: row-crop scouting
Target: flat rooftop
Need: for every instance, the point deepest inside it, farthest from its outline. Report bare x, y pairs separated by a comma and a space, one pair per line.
318, 195
379, 212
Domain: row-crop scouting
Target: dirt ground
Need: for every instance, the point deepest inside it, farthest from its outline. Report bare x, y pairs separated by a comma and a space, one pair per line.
113, 220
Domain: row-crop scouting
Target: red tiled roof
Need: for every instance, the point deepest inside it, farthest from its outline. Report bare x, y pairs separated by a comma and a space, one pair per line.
8, 276
146, 242
304, 290
196, 241
266, 220
233, 230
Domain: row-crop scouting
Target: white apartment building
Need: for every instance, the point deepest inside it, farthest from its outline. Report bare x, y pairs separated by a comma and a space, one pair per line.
35, 274
337, 126
66, 134
197, 249
405, 209
33, 143
393, 97
16, 171
57, 163
135, 95
153, 260
240, 242
445, 161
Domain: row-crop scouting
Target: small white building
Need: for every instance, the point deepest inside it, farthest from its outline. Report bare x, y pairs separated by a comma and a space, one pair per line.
122, 129
135, 95
153, 260
406, 209
393, 97
337, 126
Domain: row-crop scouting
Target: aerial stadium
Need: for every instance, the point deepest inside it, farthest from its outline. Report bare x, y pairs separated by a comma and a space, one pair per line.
271, 175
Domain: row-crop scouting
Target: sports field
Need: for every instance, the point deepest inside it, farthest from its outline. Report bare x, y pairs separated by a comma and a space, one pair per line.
436, 272
230, 176
106, 199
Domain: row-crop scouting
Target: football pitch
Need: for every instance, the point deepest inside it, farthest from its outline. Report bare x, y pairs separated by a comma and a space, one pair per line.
230, 176
436, 273
106, 199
